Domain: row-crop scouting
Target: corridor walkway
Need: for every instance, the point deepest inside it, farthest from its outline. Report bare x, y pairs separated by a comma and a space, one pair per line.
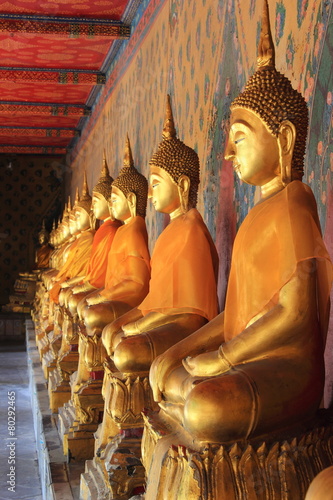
18, 450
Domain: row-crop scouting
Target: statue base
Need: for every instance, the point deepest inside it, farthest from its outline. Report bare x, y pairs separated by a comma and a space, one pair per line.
66, 418
59, 390
119, 474
68, 359
266, 468
80, 419
50, 353
49, 363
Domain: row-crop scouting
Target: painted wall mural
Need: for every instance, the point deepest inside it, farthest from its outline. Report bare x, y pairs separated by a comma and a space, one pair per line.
202, 52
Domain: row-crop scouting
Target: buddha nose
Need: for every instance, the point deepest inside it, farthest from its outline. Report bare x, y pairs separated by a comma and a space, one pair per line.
229, 152
150, 192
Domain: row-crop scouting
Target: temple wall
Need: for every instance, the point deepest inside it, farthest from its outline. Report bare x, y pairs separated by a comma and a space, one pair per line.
30, 190
202, 52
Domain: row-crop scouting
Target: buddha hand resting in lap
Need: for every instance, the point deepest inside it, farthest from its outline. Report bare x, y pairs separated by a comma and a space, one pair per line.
182, 291
259, 365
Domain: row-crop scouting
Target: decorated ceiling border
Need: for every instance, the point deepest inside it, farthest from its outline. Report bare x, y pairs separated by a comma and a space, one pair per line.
51, 109
62, 26
151, 10
39, 132
61, 76
33, 150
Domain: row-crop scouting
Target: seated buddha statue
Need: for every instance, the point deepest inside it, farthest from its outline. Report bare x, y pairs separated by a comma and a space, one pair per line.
44, 251
79, 253
259, 366
182, 291
128, 267
95, 278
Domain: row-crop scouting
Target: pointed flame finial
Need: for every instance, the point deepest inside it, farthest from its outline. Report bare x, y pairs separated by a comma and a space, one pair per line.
85, 190
105, 168
77, 197
266, 50
69, 208
169, 130
128, 157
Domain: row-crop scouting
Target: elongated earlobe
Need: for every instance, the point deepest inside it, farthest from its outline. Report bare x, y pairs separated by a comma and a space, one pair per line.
131, 198
184, 191
286, 143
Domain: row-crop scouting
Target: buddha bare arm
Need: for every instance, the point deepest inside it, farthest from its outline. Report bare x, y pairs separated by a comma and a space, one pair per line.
207, 338
72, 281
113, 329
277, 328
153, 320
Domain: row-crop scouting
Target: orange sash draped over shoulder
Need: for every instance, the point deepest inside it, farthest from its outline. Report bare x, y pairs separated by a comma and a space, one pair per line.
76, 263
276, 235
129, 261
184, 269
99, 254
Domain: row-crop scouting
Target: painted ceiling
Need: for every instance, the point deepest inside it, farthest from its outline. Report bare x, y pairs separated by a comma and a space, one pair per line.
54, 59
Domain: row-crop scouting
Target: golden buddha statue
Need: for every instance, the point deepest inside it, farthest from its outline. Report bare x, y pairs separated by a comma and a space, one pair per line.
79, 253
182, 297
258, 367
44, 251
95, 278
276, 315
174, 180
128, 268
71, 295
126, 285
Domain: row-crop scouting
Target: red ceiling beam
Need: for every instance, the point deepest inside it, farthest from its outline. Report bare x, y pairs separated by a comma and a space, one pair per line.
34, 75
39, 150
61, 26
38, 132
43, 109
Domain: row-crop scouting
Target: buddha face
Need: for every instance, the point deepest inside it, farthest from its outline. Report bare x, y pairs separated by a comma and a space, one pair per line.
82, 219
42, 239
119, 205
163, 191
252, 148
100, 206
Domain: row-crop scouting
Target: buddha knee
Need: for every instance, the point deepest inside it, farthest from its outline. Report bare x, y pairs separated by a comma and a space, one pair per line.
72, 304
91, 317
221, 409
133, 354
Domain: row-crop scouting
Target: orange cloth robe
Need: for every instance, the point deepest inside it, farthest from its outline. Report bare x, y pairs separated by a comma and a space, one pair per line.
99, 253
76, 263
43, 257
184, 269
128, 261
277, 233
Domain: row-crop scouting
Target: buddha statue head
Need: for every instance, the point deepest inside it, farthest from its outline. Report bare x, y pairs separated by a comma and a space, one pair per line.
83, 207
63, 230
129, 190
73, 229
43, 235
102, 192
174, 171
272, 114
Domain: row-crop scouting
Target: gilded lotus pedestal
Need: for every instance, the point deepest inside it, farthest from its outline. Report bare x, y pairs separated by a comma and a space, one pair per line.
66, 364
80, 417
279, 466
116, 470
